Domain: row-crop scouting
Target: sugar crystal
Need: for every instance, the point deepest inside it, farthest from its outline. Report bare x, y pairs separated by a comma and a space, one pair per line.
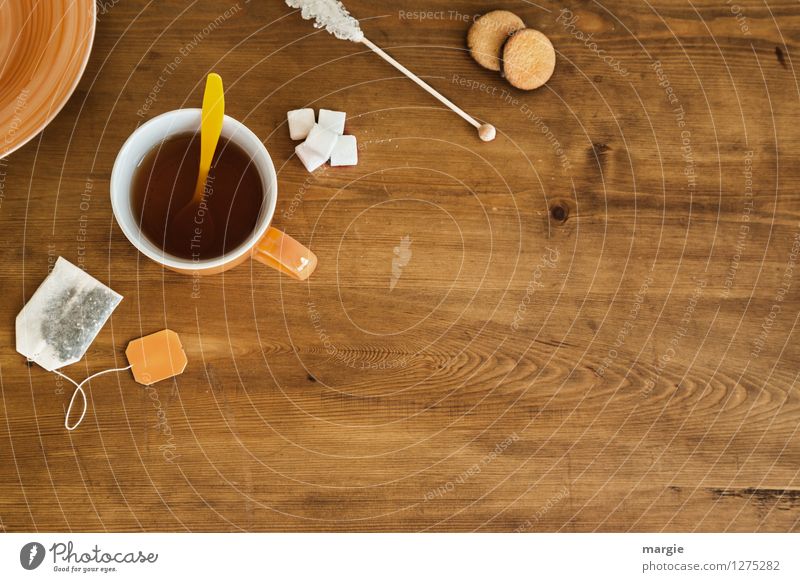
330, 15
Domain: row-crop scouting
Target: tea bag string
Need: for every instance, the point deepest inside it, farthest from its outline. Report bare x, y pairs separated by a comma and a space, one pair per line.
79, 388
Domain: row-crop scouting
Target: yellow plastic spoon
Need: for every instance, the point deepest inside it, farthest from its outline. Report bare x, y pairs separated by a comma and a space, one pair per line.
199, 226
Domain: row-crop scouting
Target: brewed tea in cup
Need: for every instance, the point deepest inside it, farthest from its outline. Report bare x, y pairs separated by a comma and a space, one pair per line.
164, 184
154, 177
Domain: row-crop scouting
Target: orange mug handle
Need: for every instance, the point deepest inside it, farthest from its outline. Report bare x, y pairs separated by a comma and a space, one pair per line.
280, 251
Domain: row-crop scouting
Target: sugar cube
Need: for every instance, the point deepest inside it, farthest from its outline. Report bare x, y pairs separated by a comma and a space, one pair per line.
300, 123
311, 160
345, 152
332, 120
321, 141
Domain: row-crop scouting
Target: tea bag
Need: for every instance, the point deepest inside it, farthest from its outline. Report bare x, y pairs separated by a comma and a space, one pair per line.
65, 314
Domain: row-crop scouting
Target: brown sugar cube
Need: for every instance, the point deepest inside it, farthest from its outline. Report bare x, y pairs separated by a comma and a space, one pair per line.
487, 35
528, 59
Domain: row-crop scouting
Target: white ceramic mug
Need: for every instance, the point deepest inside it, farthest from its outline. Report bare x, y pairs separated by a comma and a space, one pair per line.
265, 244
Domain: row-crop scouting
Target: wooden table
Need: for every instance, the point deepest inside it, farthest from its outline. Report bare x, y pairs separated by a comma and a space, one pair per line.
589, 324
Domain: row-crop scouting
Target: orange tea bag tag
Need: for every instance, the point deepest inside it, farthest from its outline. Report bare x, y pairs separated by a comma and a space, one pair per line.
156, 357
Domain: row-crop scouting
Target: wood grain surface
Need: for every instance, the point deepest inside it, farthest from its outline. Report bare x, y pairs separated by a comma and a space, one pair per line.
588, 324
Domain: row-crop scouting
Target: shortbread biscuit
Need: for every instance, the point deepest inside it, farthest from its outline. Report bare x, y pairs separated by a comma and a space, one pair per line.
487, 35
528, 59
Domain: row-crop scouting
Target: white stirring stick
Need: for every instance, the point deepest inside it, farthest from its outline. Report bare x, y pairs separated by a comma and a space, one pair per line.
334, 17
486, 131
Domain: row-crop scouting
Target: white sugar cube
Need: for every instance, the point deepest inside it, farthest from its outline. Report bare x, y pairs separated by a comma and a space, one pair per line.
300, 123
321, 141
311, 160
332, 120
345, 153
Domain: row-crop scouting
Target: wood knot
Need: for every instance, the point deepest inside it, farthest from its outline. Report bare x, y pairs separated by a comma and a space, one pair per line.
597, 154
559, 212
781, 58
599, 149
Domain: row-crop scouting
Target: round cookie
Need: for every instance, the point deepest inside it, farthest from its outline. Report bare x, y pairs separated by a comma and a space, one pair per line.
487, 35
528, 59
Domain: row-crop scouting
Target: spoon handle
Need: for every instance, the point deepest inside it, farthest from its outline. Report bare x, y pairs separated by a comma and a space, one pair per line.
210, 128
